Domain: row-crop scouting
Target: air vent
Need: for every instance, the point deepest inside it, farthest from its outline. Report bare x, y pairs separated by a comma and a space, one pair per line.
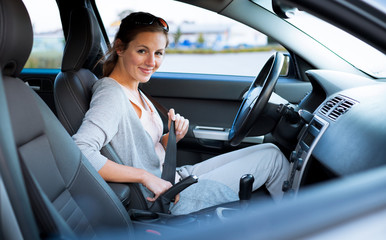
330, 104
336, 107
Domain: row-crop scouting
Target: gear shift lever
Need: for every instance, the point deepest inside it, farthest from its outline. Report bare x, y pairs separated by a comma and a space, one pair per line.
246, 182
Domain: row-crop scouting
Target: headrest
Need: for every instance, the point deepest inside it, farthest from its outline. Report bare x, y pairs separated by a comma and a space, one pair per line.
83, 41
16, 36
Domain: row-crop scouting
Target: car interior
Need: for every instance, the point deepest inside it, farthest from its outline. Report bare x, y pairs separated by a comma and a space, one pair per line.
326, 116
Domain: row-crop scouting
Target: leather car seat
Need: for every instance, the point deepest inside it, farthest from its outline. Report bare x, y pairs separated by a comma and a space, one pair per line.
71, 188
72, 88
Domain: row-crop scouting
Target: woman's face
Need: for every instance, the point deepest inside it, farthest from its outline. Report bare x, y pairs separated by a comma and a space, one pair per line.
143, 56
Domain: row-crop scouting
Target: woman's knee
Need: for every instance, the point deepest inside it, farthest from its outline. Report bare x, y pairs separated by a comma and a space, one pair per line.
272, 146
276, 156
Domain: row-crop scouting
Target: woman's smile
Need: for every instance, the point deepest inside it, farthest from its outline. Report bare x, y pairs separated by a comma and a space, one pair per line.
146, 71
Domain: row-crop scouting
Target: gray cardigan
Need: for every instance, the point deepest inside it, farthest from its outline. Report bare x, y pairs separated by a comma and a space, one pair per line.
112, 119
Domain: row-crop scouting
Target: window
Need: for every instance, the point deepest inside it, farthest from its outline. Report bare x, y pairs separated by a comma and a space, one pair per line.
48, 45
357, 52
200, 41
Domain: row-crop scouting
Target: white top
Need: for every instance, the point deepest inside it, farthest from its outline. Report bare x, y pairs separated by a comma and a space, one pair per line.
151, 121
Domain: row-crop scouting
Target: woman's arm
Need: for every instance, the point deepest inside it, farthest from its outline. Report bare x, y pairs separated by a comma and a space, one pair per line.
101, 121
114, 172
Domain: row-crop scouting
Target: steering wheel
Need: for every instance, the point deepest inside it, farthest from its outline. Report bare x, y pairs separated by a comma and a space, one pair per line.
256, 99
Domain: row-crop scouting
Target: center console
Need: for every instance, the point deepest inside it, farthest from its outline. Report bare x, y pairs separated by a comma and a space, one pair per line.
300, 156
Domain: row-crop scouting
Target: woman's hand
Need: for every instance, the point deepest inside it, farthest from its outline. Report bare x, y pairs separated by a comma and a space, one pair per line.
156, 185
114, 172
181, 124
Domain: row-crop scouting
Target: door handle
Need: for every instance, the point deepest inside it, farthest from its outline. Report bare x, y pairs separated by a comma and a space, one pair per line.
33, 87
220, 134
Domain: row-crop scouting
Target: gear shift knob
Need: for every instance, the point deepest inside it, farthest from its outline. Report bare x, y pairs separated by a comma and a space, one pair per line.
246, 182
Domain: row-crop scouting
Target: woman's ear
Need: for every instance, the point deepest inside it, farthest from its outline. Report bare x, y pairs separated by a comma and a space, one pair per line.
118, 46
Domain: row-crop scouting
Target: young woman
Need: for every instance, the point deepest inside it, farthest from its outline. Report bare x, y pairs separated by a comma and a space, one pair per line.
120, 114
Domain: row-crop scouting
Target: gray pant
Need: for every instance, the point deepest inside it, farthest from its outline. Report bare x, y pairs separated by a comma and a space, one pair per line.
265, 162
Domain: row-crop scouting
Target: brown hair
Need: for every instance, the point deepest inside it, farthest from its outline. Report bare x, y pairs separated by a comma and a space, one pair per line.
128, 31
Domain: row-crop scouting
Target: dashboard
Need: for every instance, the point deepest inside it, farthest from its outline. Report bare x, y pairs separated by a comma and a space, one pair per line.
347, 133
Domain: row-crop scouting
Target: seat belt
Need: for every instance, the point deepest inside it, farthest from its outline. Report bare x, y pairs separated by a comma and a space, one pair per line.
169, 168
170, 163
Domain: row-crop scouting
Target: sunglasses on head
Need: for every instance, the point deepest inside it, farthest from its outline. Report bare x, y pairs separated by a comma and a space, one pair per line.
148, 19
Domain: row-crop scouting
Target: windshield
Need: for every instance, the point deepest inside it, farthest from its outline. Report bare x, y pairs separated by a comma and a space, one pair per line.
350, 48
353, 50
